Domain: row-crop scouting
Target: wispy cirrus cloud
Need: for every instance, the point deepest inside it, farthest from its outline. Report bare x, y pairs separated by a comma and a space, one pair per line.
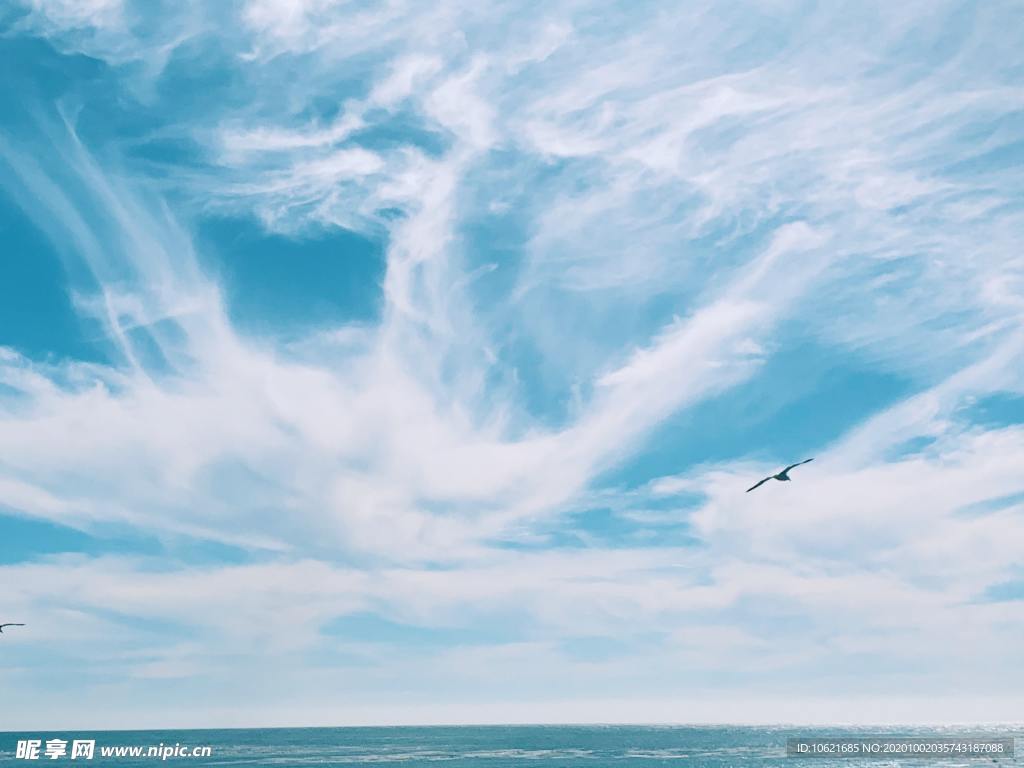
596, 224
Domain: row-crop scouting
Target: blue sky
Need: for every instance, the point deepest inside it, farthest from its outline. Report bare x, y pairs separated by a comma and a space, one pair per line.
400, 362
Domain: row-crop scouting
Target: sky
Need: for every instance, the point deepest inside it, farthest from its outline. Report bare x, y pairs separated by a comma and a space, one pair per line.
396, 362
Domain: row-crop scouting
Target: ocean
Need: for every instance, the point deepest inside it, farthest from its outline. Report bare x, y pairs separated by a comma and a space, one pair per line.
484, 746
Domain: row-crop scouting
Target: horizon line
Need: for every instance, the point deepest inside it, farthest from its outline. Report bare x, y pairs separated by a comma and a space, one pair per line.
523, 724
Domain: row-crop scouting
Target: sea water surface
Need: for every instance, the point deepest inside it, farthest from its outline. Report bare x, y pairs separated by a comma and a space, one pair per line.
500, 746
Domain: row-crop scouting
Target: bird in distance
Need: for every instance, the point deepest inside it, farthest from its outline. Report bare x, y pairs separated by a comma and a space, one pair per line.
783, 475
9, 625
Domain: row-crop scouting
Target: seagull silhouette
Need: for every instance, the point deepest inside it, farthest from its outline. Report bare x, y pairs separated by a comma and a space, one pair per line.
9, 625
783, 475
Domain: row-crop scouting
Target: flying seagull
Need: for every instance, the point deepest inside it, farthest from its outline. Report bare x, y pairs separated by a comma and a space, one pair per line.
783, 475
9, 625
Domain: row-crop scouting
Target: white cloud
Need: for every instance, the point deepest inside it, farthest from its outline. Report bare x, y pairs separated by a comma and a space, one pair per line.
80, 13
680, 201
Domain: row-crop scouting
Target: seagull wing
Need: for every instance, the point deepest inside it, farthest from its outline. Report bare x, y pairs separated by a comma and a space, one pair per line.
759, 484
794, 465
11, 625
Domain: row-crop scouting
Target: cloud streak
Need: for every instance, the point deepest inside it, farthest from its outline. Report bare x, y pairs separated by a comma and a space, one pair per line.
591, 233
